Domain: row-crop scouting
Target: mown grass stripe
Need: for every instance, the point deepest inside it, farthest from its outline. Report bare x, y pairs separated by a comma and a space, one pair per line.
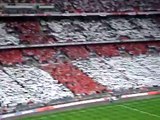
134, 109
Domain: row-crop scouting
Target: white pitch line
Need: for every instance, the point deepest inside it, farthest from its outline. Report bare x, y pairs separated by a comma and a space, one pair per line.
137, 102
134, 109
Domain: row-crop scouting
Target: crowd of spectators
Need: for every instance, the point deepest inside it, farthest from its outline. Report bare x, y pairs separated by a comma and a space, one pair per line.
43, 75
93, 6
108, 29
25, 85
79, 30
31, 77
120, 73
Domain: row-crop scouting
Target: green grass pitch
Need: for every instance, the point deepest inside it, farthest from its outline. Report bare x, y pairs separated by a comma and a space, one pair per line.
148, 109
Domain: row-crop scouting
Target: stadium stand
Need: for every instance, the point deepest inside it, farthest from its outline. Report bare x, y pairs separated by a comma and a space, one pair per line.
41, 55
74, 79
109, 29
114, 29
76, 52
5, 38
25, 27
10, 57
36, 76
122, 57
94, 6
27, 85
102, 50
120, 73
62, 54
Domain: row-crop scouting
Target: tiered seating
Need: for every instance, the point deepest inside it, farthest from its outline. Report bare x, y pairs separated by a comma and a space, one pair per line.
45, 1
83, 75
36, 39
16, 1
105, 50
78, 6
130, 5
10, 57
129, 48
76, 52
74, 79
28, 1
123, 73
154, 47
67, 30
42, 55
29, 86
95, 6
25, 27
5, 38
108, 29
135, 49
26, 85
50, 55
30, 32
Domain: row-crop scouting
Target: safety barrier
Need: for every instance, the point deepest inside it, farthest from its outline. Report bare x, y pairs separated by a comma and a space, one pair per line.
60, 106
